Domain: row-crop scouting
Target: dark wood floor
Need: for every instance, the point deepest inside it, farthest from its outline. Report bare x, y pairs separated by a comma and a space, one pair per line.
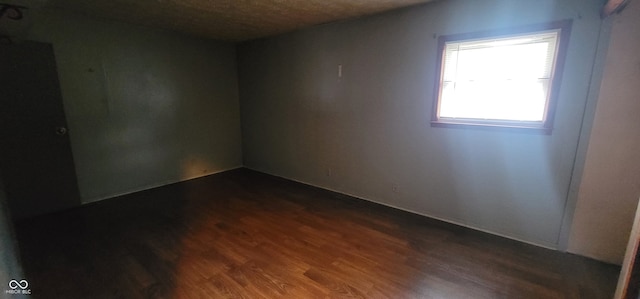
243, 234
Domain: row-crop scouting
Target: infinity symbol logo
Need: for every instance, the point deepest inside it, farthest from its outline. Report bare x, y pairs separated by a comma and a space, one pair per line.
14, 284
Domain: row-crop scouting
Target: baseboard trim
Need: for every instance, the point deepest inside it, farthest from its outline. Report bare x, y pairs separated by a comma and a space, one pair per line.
438, 218
153, 186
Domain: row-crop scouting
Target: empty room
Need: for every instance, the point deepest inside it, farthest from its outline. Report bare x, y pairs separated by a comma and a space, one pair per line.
319, 149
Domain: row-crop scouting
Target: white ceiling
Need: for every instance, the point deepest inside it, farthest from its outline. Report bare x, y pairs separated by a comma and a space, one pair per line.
233, 20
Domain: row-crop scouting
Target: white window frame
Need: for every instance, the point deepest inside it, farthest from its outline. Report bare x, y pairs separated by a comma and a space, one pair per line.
563, 29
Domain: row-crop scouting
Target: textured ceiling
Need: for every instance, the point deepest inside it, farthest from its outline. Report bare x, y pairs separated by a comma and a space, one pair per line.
235, 20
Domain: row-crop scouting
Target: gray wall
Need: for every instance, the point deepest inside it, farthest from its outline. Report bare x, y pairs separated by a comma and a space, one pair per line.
367, 134
610, 188
145, 107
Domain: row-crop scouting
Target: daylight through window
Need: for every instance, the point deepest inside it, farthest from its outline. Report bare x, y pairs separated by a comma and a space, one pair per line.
499, 81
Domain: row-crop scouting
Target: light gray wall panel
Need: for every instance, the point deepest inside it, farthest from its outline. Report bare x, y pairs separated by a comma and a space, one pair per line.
145, 107
367, 134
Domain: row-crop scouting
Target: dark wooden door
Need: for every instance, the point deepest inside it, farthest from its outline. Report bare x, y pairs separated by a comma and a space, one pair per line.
36, 163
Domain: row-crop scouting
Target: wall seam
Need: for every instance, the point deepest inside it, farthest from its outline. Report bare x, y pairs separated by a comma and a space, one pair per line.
586, 125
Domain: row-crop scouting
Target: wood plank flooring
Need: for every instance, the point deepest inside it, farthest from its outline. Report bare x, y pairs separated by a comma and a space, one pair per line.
243, 234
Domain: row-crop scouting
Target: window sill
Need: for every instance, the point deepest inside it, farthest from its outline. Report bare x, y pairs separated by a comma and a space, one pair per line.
494, 126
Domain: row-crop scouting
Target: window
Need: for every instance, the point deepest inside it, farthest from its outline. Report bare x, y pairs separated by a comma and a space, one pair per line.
500, 79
